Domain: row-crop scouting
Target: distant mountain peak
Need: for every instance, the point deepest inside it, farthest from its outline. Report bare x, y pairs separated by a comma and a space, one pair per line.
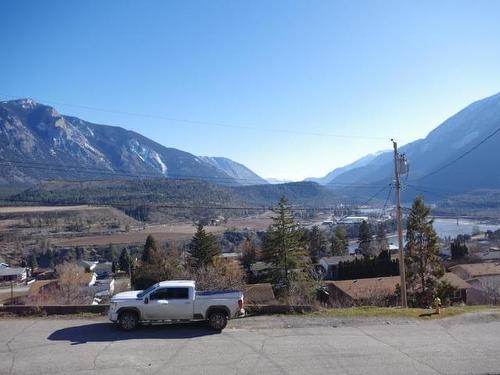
65, 147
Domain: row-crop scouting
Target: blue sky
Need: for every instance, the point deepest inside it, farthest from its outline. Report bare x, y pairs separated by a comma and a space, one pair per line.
285, 76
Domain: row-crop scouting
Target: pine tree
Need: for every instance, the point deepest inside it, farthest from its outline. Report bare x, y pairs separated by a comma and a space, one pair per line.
154, 267
423, 266
317, 244
150, 253
49, 255
79, 253
365, 238
284, 247
110, 253
248, 254
340, 244
125, 261
382, 243
203, 248
458, 249
32, 262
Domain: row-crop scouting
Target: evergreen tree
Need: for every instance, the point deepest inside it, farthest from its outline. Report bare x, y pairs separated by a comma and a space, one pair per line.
382, 243
49, 256
150, 253
124, 262
248, 254
32, 262
284, 247
317, 244
365, 238
423, 266
340, 244
458, 249
203, 248
155, 266
110, 253
79, 253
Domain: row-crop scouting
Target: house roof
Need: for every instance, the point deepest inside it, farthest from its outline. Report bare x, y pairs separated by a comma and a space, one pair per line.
12, 271
360, 289
455, 280
365, 288
479, 269
258, 293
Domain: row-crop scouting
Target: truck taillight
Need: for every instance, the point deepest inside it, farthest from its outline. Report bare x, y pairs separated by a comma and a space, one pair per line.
240, 303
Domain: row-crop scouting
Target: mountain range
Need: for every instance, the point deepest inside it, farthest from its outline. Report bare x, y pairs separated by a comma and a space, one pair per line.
460, 155
38, 143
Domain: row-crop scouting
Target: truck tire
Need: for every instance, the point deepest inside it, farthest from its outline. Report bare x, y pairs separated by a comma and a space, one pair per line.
217, 320
128, 320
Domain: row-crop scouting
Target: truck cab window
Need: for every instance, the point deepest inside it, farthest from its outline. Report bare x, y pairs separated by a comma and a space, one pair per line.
158, 294
178, 293
170, 294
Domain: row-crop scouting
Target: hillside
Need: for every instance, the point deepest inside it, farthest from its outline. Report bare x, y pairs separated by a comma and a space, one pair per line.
361, 162
38, 143
174, 195
433, 169
238, 171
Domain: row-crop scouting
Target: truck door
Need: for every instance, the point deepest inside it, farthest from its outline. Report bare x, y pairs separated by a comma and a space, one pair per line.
170, 303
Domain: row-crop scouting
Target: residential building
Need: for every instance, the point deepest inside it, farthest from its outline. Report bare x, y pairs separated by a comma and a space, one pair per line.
381, 291
16, 274
484, 278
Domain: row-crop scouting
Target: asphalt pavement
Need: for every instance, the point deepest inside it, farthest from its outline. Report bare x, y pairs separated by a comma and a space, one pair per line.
259, 345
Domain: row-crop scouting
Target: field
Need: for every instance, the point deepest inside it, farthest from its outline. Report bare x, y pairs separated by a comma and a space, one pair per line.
27, 229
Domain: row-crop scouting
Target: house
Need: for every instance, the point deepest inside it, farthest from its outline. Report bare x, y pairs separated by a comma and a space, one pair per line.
258, 294
381, 291
329, 265
373, 291
353, 220
16, 274
484, 279
490, 254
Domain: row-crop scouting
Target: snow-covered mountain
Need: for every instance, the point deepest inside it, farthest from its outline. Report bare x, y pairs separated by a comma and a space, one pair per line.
38, 143
441, 162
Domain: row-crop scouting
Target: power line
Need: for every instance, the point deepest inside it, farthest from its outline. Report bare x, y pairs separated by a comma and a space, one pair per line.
161, 205
118, 172
197, 122
460, 157
375, 195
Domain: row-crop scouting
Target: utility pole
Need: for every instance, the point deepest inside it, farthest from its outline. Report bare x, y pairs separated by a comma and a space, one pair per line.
402, 272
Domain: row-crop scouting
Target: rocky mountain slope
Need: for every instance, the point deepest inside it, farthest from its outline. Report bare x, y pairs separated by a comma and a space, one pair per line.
38, 143
434, 168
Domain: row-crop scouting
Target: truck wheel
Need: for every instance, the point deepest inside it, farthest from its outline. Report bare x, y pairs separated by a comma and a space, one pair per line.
217, 320
128, 320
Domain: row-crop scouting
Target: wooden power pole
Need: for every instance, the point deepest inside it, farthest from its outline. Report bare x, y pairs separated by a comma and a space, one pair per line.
397, 171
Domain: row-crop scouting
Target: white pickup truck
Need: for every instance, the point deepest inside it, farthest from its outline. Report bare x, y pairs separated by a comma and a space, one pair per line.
176, 300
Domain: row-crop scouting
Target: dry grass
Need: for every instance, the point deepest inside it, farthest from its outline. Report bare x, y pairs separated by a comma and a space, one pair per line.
396, 312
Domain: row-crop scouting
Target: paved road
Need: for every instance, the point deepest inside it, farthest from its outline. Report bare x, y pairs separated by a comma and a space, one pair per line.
263, 345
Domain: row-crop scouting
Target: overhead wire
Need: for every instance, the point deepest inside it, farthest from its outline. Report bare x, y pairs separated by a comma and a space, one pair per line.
198, 122
461, 156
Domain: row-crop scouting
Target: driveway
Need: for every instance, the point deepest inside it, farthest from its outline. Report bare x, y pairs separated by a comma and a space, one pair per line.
261, 345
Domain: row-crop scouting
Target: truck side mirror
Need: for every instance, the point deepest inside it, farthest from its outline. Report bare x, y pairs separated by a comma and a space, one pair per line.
146, 300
